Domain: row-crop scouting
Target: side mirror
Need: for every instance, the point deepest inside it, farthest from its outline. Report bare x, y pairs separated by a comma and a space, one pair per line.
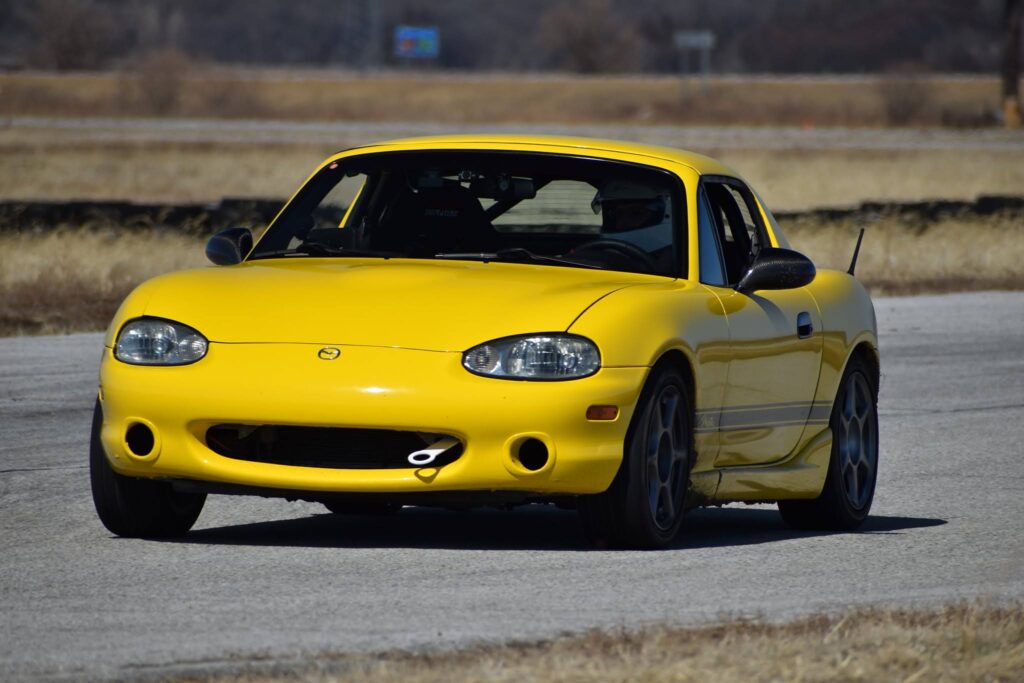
777, 269
229, 246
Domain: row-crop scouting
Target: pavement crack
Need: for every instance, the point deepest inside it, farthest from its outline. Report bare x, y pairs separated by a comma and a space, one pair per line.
949, 411
44, 469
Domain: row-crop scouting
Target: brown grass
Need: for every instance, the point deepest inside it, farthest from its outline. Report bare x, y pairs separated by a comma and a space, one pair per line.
74, 278
958, 643
498, 98
797, 180
901, 256
158, 172
43, 165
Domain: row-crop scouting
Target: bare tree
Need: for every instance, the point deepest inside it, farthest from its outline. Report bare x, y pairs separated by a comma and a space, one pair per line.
69, 34
582, 35
160, 80
1011, 63
590, 37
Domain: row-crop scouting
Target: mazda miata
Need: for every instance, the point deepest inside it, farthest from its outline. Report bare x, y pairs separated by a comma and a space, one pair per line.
497, 320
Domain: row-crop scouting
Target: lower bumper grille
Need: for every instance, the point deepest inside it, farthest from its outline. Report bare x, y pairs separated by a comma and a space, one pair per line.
327, 447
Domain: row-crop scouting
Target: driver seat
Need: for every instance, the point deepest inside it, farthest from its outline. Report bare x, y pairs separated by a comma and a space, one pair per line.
435, 220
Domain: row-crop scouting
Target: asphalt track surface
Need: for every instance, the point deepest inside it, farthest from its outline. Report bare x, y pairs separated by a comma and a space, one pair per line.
260, 582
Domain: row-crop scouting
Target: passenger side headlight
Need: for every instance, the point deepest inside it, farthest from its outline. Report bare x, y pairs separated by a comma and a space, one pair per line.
154, 341
536, 357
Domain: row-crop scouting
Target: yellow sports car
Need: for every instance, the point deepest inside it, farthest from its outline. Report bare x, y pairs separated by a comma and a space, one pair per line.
497, 320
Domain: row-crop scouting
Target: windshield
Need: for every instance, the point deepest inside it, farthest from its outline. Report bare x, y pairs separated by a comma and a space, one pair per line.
489, 206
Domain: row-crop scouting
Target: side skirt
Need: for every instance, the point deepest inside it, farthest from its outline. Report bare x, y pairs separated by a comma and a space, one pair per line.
799, 477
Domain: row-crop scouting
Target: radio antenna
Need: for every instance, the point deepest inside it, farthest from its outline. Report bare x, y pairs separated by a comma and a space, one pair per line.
856, 252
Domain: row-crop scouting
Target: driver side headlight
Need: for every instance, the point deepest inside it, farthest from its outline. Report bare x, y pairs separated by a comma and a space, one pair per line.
535, 357
155, 341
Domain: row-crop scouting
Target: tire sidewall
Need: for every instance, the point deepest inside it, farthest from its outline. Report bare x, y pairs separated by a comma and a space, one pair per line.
852, 515
643, 523
136, 507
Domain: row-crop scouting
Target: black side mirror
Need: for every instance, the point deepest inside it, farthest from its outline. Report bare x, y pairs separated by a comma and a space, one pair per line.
229, 246
777, 269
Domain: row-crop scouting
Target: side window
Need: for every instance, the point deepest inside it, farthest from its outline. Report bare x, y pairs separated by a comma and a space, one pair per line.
741, 234
334, 209
324, 212
712, 269
748, 220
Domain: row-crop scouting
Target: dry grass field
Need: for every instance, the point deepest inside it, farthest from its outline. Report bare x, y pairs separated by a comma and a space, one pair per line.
902, 255
959, 643
177, 88
73, 278
42, 165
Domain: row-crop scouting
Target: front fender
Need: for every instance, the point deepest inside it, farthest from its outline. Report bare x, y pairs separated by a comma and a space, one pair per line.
636, 326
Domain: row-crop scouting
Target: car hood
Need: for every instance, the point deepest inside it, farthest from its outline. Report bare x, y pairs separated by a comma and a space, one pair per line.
430, 305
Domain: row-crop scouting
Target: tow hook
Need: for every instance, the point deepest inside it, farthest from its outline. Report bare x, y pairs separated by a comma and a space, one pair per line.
426, 456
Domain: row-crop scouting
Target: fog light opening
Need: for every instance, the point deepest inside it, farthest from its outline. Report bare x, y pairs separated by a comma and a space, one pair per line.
533, 454
140, 440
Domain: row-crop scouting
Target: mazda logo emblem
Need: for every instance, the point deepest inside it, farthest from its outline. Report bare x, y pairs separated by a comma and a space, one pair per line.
328, 353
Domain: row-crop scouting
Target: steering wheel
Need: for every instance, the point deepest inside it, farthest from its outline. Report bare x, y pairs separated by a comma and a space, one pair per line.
624, 248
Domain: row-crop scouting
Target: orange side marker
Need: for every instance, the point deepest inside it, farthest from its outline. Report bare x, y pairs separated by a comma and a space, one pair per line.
602, 412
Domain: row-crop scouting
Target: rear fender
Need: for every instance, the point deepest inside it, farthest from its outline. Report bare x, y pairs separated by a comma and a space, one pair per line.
848, 321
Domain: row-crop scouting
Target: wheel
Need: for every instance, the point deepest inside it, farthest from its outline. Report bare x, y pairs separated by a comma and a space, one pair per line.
370, 508
137, 507
845, 500
643, 508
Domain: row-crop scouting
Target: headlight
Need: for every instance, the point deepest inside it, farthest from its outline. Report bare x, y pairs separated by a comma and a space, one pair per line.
152, 341
541, 357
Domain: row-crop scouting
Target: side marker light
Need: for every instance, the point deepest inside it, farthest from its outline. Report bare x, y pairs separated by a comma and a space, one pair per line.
602, 413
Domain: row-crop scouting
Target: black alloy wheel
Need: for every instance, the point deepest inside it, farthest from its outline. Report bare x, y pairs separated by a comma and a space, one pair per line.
845, 499
643, 508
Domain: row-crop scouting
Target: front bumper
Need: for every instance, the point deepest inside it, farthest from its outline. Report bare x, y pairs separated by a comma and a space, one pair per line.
366, 388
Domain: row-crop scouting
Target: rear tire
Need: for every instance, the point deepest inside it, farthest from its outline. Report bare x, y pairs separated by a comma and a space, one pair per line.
140, 508
643, 508
845, 499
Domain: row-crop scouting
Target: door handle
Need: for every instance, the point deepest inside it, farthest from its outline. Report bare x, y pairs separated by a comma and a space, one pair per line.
804, 326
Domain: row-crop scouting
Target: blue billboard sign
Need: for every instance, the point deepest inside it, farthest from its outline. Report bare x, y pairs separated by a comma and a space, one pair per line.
417, 42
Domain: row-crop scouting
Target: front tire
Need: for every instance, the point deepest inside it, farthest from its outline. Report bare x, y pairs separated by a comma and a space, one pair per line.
137, 507
845, 500
643, 508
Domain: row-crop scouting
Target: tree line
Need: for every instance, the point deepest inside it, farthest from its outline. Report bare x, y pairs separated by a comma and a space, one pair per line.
587, 36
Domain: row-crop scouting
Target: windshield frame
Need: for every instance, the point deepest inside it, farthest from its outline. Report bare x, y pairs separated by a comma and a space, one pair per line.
320, 184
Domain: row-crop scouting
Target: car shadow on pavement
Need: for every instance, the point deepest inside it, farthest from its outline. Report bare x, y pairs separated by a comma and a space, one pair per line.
733, 526
531, 528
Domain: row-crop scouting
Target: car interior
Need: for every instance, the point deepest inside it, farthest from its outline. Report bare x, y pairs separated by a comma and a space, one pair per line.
586, 214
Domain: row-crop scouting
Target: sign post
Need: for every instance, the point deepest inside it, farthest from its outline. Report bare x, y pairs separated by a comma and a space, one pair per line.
701, 41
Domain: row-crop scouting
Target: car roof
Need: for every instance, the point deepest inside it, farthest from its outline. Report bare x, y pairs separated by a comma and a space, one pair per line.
698, 162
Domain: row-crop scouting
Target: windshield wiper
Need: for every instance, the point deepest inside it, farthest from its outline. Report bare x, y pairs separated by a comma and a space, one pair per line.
516, 254
321, 249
